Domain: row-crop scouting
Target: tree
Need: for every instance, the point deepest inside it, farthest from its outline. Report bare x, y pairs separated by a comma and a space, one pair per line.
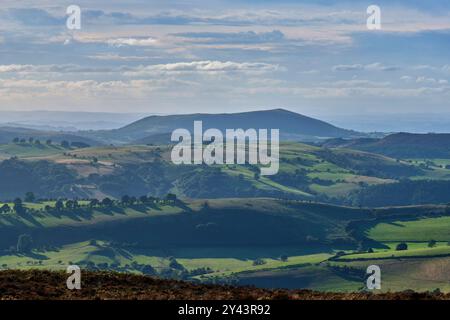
18, 206
16, 140
171, 197
432, 243
65, 144
37, 141
59, 205
30, 140
24, 243
174, 264
125, 199
148, 270
107, 202
48, 142
94, 203
259, 262
284, 258
401, 246
143, 199
5, 208
72, 204
29, 197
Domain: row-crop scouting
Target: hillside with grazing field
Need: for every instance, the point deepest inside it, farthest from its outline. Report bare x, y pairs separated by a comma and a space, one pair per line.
318, 223
296, 244
306, 172
400, 145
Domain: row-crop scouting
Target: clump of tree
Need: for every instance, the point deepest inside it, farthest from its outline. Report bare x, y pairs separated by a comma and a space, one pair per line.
5, 208
174, 264
259, 262
18, 206
401, 246
29, 197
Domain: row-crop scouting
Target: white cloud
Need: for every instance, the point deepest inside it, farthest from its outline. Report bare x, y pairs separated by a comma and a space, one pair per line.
116, 57
139, 42
205, 67
376, 66
427, 80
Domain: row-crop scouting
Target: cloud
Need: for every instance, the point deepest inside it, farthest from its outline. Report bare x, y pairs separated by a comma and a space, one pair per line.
52, 68
117, 57
233, 37
348, 67
139, 42
427, 80
205, 67
34, 17
377, 66
194, 66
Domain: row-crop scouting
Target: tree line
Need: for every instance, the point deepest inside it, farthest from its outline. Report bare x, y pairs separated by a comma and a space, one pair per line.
72, 204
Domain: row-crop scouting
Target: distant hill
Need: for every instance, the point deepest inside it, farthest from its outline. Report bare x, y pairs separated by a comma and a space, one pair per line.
67, 120
293, 126
400, 145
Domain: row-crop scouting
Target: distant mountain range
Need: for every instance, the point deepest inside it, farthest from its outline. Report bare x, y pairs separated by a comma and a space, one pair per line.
157, 129
293, 126
66, 120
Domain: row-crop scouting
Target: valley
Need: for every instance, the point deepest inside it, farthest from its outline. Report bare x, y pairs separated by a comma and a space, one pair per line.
112, 200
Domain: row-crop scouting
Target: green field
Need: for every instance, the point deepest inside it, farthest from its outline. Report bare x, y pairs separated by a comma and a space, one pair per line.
416, 230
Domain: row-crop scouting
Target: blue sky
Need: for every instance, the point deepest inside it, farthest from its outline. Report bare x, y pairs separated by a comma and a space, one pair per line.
313, 57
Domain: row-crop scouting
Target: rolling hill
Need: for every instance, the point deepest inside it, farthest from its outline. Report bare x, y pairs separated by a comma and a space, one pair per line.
7, 134
400, 145
293, 126
264, 242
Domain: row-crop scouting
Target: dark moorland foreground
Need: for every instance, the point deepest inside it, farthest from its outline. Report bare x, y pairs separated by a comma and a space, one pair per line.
32, 284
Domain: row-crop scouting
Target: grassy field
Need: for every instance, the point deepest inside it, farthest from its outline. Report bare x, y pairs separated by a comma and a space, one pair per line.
81, 216
307, 265
222, 261
416, 230
27, 151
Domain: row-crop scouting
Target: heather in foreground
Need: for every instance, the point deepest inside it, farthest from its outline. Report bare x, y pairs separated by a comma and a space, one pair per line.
46, 285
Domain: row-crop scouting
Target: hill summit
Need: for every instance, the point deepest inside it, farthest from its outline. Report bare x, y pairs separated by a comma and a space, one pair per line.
293, 126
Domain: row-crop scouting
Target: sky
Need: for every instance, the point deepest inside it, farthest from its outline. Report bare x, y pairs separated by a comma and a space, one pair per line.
313, 57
